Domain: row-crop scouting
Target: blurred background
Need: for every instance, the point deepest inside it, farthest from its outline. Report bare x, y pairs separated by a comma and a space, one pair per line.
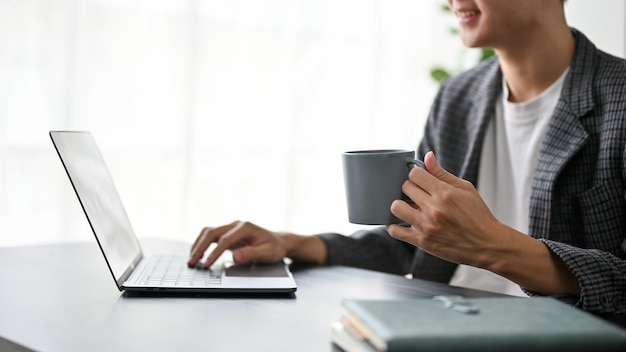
209, 111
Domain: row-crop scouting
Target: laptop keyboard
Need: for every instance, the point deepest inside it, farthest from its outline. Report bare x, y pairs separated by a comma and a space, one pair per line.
173, 271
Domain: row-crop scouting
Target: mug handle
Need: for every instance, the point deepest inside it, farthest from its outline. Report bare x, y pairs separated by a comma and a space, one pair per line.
413, 163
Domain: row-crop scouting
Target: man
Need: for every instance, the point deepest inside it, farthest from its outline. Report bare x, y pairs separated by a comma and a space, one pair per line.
540, 130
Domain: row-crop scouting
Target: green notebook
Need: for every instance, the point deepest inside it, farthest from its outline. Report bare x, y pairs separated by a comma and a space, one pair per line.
451, 323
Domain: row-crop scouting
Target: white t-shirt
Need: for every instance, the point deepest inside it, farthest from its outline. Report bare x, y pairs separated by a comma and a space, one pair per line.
507, 166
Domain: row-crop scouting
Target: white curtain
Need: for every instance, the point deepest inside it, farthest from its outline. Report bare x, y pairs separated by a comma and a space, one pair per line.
208, 111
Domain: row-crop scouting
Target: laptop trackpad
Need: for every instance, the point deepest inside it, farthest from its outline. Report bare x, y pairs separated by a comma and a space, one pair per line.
257, 270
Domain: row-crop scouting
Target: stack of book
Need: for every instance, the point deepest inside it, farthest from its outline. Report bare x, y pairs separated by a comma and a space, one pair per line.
451, 323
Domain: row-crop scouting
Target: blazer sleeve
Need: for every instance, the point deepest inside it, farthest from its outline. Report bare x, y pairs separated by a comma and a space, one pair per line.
372, 249
601, 275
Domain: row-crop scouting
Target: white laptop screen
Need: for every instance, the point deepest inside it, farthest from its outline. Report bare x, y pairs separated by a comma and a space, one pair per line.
99, 198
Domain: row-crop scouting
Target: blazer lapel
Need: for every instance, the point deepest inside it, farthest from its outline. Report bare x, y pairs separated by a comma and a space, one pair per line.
565, 136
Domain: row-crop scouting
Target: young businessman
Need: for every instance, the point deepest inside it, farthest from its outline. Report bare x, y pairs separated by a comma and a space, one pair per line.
526, 179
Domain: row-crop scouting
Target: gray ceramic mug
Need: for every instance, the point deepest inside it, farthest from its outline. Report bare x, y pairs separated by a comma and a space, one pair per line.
373, 180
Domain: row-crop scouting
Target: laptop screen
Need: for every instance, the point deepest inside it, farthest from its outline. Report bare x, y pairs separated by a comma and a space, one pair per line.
99, 198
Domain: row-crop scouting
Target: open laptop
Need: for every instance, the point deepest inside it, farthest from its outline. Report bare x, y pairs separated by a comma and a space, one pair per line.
131, 270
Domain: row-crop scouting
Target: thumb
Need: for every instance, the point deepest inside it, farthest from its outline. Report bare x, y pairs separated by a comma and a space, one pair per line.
433, 167
247, 254
241, 255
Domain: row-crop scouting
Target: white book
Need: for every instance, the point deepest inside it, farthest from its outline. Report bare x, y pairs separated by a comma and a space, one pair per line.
348, 341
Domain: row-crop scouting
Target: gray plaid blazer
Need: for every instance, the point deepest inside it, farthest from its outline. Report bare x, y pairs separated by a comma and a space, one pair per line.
578, 201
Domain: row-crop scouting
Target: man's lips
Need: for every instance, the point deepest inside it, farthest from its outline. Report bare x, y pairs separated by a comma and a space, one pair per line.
466, 15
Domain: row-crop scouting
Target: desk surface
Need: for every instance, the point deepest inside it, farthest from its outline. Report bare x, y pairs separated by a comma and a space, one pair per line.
62, 298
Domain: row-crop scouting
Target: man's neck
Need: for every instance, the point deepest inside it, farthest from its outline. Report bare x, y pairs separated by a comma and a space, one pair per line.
532, 65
